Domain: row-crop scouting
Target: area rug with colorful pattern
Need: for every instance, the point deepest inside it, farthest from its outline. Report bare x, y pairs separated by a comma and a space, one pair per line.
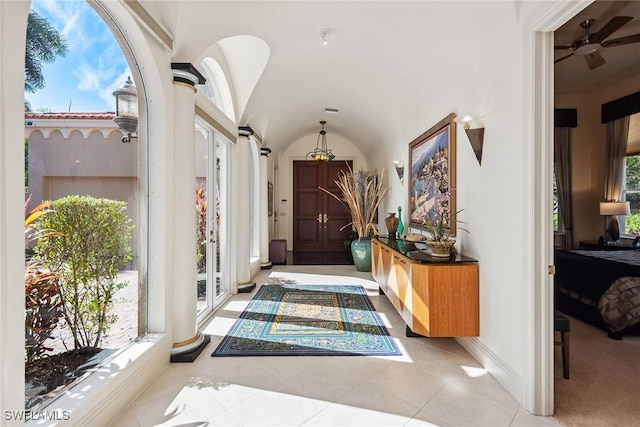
308, 320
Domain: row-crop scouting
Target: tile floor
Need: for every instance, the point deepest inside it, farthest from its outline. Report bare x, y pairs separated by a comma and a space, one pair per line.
435, 382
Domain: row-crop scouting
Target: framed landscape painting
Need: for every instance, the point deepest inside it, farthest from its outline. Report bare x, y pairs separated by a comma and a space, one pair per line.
432, 158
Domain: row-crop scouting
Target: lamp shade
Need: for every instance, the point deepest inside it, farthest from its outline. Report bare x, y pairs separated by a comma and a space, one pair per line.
614, 208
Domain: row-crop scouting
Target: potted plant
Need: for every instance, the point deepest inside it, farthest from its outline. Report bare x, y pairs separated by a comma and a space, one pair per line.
362, 193
436, 222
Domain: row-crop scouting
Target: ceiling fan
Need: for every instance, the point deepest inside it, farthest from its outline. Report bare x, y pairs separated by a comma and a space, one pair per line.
589, 44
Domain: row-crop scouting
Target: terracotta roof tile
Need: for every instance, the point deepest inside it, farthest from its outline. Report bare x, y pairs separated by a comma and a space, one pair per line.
69, 116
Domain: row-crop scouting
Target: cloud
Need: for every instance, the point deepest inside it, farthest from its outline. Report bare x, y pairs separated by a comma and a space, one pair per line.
102, 81
58, 13
72, 31
88, 78
53, 9
106, 93
94, 66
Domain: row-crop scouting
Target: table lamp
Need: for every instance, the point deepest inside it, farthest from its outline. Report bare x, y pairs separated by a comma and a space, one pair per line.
613, 209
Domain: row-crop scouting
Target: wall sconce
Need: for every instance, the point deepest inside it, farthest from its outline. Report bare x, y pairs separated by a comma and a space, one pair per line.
399, 165
475, 135
127, 109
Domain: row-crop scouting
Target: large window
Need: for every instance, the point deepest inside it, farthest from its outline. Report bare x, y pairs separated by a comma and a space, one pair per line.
85, 262
631, 223
254, 201
632, 195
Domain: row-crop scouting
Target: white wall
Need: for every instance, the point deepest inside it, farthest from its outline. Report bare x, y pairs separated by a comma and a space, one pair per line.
486, 79
342, 148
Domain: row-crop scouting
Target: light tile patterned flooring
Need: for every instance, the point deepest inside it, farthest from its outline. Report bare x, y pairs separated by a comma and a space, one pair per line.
435, 382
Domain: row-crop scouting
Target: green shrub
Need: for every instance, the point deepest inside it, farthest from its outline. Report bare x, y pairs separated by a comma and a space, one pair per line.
93, 245
632, 223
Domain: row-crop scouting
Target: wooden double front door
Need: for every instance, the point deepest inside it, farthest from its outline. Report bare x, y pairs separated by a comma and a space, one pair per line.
318, 217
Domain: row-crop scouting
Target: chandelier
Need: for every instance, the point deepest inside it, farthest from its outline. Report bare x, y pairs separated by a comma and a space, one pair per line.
321, 152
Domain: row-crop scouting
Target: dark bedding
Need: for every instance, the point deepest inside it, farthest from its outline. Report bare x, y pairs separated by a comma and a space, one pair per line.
583, 277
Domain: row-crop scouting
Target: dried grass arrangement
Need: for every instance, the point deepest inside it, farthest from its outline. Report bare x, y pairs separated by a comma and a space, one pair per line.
362, 193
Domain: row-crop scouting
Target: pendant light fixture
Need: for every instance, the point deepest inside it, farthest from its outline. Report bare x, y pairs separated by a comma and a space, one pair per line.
322, 153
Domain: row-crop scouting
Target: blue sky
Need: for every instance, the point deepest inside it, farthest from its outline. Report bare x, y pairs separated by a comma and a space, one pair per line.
92, 69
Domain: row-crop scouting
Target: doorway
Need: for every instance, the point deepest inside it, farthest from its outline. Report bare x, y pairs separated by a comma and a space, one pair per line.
318, 217
212, 207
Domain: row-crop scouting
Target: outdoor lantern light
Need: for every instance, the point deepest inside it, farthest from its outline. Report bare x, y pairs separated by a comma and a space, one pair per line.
322, 153
127, 109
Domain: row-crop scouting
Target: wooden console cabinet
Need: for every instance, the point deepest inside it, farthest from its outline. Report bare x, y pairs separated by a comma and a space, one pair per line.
435, 297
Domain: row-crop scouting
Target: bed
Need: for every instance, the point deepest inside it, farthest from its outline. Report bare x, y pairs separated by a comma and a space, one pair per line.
600, 287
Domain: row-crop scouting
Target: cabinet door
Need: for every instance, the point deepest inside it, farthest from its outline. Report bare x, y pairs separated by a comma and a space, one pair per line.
399, 289
454, 301
381, 264
376, 262
387, 256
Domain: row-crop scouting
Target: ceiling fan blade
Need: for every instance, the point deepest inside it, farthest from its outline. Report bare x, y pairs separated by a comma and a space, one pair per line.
562, 47
563, 58
611, 27
635, 38
594, 60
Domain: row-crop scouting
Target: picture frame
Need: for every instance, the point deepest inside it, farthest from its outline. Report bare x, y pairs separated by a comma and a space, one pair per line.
432, 172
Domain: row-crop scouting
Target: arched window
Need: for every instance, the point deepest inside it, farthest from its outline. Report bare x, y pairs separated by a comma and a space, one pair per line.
98, 188
254, 214
217, 87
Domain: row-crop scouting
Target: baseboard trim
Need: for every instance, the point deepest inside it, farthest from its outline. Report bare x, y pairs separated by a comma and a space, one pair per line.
497, 368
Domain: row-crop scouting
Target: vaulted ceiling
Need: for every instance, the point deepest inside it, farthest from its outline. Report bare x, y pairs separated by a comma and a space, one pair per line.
381, 63
380, 66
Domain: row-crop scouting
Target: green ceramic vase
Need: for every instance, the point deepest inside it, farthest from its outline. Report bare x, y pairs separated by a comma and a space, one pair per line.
361, 252
400, 228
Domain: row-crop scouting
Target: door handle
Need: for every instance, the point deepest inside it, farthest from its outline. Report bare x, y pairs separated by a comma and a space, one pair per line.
319, 218
326, 218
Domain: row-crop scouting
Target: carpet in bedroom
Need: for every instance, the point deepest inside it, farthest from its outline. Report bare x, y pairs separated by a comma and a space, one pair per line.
605, 380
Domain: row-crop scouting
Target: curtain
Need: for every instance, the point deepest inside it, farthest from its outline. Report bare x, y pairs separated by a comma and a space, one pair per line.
617, 134
562, 155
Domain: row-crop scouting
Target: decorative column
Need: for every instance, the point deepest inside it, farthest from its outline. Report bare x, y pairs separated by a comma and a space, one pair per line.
243, 194
13, 22
187, 341
265, 263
